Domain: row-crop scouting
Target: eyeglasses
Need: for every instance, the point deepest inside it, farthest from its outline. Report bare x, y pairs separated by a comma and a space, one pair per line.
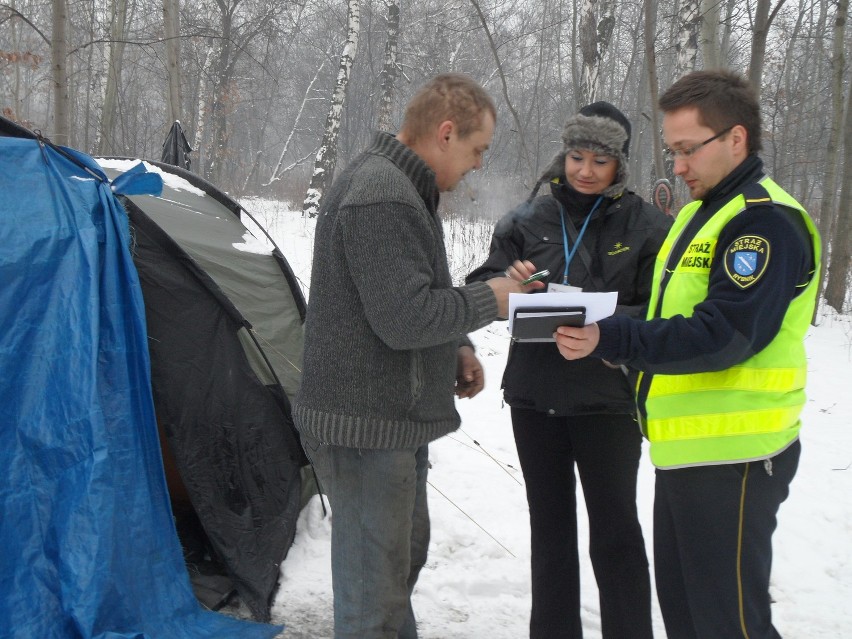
674, 154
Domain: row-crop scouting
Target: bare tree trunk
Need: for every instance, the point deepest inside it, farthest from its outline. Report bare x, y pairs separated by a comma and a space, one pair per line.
841, 224
710, 51
596, 25
106, 137
786, 165
534, 112
390, 69
171, 28
327, 154
838, 64
524, 155
638, 143
762, 21
653, 85
17, 114
641, 123
728, 26
837, 287
96, 83
59, 62
222, 97
686, 45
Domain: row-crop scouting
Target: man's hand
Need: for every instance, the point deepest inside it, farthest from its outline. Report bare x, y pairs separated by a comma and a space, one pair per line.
470, 378
502, 286
576, 342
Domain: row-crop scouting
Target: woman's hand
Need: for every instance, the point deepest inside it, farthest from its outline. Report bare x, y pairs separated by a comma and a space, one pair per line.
520, 270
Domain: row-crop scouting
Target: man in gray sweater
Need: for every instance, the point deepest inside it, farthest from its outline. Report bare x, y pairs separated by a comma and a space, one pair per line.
386, 347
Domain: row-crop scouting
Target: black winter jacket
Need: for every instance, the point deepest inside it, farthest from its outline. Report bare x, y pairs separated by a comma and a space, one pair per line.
622, 240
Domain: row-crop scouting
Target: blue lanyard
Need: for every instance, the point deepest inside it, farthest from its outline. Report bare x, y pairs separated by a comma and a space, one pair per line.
569, 252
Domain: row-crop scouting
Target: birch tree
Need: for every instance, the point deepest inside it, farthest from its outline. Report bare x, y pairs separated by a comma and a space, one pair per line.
204, 93
686, 44
326, 158
595, 32
389, 68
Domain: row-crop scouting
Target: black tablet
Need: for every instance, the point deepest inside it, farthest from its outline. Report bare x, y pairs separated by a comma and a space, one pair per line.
538, 323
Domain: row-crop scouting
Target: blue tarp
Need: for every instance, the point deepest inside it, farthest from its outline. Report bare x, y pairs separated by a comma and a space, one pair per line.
88, 548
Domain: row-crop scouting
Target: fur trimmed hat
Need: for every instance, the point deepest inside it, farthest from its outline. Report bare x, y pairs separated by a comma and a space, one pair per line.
598, 127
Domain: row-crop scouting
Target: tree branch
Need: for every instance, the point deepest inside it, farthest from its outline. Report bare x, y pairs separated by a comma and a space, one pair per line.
17, 14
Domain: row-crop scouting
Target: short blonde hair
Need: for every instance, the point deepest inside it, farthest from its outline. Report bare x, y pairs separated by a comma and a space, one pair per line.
449, 96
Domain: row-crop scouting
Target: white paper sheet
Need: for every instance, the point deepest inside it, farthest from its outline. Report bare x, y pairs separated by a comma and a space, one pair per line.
598, 305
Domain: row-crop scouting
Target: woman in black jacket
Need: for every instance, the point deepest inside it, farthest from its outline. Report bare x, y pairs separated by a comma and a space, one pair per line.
594, 236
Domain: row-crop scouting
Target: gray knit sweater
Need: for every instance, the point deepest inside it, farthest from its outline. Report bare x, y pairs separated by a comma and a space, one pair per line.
384, 321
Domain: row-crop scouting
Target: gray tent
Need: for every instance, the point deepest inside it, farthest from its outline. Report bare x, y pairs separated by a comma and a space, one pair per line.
224, 313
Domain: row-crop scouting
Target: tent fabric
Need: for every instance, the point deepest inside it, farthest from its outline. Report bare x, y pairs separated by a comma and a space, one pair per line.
203, 228
176, 149
89, 549
224, 320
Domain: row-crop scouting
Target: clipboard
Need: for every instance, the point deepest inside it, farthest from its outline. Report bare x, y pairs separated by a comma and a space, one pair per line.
537, 324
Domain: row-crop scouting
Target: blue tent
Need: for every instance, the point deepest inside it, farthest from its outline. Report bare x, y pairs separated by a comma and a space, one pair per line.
89, 549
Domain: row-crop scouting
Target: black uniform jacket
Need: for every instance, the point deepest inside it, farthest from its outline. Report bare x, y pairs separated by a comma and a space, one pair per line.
732, 323
622, 240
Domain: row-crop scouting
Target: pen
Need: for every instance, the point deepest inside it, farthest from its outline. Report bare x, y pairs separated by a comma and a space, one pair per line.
535, 277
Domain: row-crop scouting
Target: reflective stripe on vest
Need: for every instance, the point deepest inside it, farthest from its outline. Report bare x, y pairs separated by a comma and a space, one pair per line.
747, 412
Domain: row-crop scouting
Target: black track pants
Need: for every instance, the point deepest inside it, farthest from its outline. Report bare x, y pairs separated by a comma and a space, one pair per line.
606, 451
713, 530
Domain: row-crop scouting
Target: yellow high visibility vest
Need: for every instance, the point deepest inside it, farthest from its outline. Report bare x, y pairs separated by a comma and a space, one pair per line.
749, 411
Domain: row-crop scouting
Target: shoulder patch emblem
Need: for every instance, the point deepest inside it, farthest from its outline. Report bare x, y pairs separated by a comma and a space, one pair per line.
746, 260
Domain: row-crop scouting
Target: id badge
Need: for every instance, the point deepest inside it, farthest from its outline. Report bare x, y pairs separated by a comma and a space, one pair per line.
563, 288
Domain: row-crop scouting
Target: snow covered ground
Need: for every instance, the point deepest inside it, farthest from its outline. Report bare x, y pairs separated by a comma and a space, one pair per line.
476, 584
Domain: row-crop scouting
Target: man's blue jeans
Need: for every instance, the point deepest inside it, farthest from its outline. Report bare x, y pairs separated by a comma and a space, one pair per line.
379, 535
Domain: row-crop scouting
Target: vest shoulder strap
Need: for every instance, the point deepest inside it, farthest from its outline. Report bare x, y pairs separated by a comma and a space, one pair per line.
755, 194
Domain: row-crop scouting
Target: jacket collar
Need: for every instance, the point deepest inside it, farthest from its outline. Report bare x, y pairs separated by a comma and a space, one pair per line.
749, 171
411, 164
577, 204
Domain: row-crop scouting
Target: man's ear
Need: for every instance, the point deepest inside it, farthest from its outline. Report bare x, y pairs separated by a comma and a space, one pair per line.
739, 137
445, 132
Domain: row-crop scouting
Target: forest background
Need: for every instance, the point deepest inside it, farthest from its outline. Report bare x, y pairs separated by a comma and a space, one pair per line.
274, 95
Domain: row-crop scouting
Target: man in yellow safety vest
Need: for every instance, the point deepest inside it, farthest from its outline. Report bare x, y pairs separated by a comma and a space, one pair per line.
722, 362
